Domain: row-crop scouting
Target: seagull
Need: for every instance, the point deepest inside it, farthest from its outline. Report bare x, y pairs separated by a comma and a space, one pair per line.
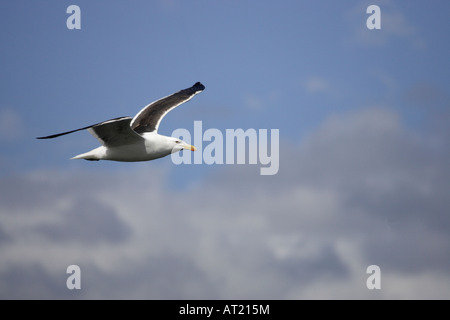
136, 139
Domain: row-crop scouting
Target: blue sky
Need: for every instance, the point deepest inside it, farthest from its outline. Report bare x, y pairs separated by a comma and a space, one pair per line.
263, 65
360, 112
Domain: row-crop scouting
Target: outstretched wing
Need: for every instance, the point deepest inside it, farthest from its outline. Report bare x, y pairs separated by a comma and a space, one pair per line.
149, 118
114, 132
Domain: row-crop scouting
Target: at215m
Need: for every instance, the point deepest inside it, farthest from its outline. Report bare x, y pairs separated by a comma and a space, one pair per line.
245, 309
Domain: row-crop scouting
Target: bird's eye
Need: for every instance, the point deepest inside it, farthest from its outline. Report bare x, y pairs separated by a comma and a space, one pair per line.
178, 141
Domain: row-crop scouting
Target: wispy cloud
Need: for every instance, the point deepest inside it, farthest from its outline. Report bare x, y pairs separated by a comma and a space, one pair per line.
254, 103
11, 125
394, 25
427, 95
261, 102
316, 84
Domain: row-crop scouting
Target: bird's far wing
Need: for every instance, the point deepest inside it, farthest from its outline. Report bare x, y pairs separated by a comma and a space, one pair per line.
149, 118
113, 132
84, 128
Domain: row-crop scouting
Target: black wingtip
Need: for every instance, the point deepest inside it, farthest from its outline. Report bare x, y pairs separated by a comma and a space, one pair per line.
198, 86
50, 137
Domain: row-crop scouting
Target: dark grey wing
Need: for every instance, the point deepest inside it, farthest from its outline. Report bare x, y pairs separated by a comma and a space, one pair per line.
84, 128
110, 133
149, 118
116, 132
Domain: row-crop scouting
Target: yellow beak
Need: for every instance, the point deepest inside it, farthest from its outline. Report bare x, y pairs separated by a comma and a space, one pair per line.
188, 147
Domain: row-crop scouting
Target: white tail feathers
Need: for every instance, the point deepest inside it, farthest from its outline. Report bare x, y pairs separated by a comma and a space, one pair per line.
96, 154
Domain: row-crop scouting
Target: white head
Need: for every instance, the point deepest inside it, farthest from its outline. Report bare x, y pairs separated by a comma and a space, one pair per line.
178, 145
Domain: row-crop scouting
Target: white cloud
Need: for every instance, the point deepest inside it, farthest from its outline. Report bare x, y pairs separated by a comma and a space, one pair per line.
394, 25
11, 125
357, 192
254, 102
316, 84
258, 102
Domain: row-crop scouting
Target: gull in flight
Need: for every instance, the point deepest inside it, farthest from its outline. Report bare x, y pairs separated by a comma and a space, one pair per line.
137, 139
